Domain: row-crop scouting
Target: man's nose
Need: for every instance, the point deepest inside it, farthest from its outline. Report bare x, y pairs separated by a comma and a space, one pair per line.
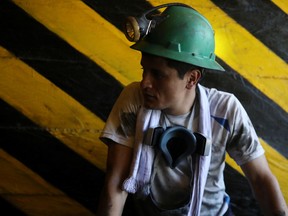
146, 81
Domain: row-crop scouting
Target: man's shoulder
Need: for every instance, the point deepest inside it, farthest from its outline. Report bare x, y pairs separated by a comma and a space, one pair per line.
216, 94
221, 100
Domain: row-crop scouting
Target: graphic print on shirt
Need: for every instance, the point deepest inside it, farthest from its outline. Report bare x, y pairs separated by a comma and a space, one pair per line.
127, 124
223, 122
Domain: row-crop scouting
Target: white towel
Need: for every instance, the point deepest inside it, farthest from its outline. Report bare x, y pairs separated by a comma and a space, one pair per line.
144, 154
201, 172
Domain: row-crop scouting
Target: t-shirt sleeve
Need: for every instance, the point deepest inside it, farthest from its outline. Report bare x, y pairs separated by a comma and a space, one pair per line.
244, 144
120, 125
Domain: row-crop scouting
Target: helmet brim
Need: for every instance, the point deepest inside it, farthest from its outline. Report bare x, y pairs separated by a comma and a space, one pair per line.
159, 50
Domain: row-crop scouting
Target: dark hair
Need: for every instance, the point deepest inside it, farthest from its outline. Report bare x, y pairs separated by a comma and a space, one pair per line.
183, 67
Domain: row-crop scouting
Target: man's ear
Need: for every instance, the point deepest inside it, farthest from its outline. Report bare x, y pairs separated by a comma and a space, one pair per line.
193, 77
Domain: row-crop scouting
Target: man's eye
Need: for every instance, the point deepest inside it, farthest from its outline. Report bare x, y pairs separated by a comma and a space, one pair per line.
159, 75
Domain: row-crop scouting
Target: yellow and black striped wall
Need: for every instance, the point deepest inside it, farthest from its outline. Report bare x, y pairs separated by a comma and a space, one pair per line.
64, 62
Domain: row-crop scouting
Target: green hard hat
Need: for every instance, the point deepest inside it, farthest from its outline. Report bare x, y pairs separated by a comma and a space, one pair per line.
183, 35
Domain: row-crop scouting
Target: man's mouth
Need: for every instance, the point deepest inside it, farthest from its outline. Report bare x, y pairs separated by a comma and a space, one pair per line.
149, 96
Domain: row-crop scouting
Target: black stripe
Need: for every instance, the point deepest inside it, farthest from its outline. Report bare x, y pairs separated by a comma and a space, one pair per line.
116, 11
53, 58
271, 125
82, 79
242, 199
49, 158
9, 209
50, 55
75, 176
263, 19
270, 120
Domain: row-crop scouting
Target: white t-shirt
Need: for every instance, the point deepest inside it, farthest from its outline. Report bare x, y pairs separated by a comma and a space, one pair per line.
232, 132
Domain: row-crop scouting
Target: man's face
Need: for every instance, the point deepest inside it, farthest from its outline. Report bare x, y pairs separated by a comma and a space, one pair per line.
161, 87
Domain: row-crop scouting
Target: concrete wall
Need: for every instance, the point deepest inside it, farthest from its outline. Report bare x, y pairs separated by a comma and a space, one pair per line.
64, 62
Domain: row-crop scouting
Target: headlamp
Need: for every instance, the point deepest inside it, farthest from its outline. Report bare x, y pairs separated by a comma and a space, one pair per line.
136, 28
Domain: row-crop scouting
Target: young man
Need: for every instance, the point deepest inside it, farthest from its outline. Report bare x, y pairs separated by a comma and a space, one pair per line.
167, 135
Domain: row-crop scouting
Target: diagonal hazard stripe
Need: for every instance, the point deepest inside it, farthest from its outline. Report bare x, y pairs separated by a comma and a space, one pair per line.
278, 165
31, 190
80, 27
57, 61
276, 120
31, 104
49, 157
272, 127
281, 4
74, 37
268, 27
9, 208
89, 33
108, 60
244, 53
37, 98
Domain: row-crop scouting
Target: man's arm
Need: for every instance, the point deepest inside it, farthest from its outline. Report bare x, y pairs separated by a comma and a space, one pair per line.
118, 165
265, 187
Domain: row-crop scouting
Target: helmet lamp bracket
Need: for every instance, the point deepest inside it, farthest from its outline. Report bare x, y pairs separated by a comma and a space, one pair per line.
136, 28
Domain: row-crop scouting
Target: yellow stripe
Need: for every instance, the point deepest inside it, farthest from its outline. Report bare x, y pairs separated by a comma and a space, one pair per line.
50, 107
92, 35
283, 4
244, 53
82, 28
30, 193
89, 33
240, 50
278, 165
